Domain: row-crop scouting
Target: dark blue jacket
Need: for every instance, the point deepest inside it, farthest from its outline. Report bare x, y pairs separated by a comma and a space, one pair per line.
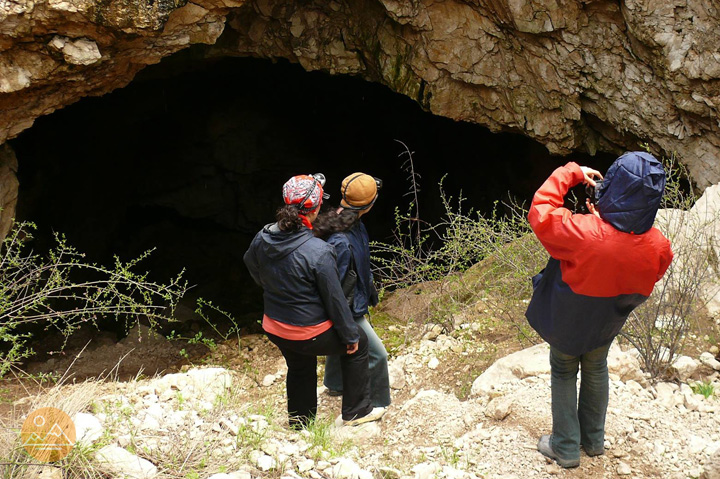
299, 277
355, 243
599, 270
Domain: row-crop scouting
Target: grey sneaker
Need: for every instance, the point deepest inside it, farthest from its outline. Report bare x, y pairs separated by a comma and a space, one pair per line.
374, 415
546, 449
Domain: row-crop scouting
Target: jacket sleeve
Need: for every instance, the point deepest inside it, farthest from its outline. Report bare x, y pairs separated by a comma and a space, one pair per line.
342, 252
330, 289
251, 261
559, 230
374, 298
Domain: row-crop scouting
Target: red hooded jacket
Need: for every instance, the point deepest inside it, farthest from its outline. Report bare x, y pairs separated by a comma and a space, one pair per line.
596, 275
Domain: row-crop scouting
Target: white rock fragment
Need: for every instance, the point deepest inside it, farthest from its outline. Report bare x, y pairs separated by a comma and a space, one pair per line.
665, 395
121, 463
240, 475
77, 52
712, 467
433, 363
623, 469
432, 334
709, 360
499, 408
88, 428
268, 380
305, 466
696, 445
532, 361
397, 374
624, 364
684, 367
345, 469
426, 470
262, 461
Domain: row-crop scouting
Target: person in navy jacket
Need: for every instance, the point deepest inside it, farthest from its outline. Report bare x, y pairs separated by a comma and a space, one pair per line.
344, 230
602, 266
306, 314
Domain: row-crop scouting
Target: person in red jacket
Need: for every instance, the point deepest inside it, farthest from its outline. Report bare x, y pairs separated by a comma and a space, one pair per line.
602, 266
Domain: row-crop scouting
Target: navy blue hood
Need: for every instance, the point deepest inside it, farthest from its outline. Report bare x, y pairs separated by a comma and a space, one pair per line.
277, 244
629, 195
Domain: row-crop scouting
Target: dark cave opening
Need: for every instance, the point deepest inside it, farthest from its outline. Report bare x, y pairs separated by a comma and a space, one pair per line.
190, 159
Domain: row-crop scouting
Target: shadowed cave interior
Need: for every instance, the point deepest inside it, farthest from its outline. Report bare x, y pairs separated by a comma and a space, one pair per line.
190, 159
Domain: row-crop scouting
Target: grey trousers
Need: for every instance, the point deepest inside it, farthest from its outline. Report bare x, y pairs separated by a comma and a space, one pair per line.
378, 368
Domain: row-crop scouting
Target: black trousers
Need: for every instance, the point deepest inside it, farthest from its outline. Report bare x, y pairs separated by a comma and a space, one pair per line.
302, 381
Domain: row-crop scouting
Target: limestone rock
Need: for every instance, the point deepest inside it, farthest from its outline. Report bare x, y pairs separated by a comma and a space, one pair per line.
42, 472
665, 395
121, 463
458, 60
586, 79
433, 332
77, 52
262, 461
624, 364
345, 469
397, 374
8, 188
709, 360
499, 408
88, 428
623, 469
426, 470
712, 467
684, 367
450, 418
532, 361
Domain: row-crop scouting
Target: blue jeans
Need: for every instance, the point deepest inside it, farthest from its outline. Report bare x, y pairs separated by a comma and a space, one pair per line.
579, 422
378, 368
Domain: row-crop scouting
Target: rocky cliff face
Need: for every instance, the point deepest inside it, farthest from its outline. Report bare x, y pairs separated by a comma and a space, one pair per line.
574, 75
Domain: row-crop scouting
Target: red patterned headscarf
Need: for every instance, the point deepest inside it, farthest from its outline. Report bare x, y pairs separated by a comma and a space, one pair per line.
304, 191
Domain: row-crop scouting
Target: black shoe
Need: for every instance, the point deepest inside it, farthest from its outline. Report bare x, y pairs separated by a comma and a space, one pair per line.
333, 393
546, 449
592, 452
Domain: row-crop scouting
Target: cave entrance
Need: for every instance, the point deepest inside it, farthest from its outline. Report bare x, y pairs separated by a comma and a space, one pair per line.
190, 158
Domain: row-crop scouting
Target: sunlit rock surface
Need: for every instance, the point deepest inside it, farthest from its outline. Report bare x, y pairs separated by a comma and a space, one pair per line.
589, 76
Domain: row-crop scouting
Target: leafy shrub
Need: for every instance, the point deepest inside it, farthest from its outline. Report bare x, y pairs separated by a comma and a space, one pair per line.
469, 256
61, 291
491, 259
659, 328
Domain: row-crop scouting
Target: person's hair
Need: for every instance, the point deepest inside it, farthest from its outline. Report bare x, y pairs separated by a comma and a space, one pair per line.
287, 218
329, 222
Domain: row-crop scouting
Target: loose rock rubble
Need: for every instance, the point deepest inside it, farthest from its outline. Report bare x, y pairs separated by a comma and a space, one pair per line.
219, 424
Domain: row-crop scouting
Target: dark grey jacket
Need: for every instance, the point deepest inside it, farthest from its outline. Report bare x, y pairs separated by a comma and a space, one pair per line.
299, 277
